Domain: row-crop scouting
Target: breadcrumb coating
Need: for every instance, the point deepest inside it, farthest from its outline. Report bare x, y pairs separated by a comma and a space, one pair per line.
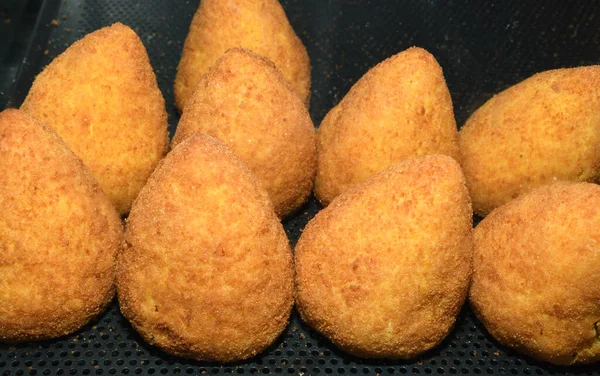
244, 101
384, 270
541, 130
536, 284
399, 109
59, 235
259, 25
207, 272
101, 97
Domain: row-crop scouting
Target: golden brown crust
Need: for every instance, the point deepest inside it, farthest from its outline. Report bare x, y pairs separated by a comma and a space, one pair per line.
244, 101
59, 235
101, 97
208, 272
384, 270
259, 25
399, 109
536, 132
536, 284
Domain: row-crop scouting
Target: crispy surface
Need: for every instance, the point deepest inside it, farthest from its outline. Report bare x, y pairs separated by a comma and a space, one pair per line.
244, 101
208, 270
384, 270
259, 25
101, 97
536, 132
398, 109
536, 284
59, 235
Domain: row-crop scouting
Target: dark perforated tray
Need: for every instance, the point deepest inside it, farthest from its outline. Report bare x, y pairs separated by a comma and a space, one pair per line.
483, 48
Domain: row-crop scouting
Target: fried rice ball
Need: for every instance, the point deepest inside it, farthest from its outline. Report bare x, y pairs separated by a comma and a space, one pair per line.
59, 235
259, 25
101, 97
384, 270
536, 282
207, 271
539, 131
399, 109
244, 101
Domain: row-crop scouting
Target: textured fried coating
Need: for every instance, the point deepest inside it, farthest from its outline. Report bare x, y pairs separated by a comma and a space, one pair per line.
208, 272
244, 101
59, 235
259, 25
101, 97
536, 132
536, 284
399, 109
384, 270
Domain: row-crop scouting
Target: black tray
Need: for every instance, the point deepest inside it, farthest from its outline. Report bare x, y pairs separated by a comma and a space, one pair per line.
483, 47
17, 22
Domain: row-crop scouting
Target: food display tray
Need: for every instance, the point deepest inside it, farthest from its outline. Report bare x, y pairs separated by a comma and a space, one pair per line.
483, 47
